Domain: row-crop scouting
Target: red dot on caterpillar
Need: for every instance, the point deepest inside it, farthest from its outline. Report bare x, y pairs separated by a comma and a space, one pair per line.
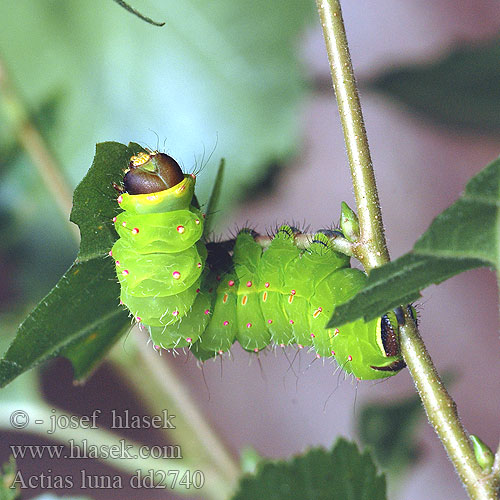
207, 311
135, 230
175, 313
333, 353
119, 199
189, 340
269, 321
180, 229
197, 290
197, 221
291, 321
138, 318
249, 325
318, 356
176, 275
117, 262
114, 219
124, 224
198, 265
293, 292
249, 284
121, 302
110, 253
266, 284
256, 350
349, 358
157, 347
221, 352
193, 176
300, 346
282, 345
312, 335
125, 272
225, 323
336, 331
230, 283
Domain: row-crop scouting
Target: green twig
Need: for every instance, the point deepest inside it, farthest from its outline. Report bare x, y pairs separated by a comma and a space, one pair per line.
371, 249
372, 252
130, 9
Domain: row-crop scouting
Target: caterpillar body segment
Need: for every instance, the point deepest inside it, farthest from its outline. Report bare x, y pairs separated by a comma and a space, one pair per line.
159, 256
282, 295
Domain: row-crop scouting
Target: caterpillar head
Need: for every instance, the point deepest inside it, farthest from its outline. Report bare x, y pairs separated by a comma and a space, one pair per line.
151, 172
388, 342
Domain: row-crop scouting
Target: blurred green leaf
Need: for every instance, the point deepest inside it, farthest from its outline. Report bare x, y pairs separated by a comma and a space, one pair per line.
221, 74
342, 473
249, 459
390, 429
459, 90
7, 476
463, 237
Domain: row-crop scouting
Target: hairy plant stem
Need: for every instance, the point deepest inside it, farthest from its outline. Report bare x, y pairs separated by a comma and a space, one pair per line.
371, 249
372, 252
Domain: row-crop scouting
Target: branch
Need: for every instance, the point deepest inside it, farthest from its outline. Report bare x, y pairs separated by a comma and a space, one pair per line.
372, 250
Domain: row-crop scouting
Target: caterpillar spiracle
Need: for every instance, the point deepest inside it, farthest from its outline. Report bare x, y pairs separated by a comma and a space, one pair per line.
188, 296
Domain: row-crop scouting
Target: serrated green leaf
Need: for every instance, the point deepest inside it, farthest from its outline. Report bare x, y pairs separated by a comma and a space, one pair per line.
459, 90
83, 300
80, 317
465, 236
94, 200
342, 473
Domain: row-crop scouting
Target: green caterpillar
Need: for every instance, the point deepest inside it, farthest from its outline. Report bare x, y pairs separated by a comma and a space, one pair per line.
281, 295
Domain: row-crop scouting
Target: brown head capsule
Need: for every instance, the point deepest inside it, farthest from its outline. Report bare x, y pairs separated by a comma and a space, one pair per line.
151, 172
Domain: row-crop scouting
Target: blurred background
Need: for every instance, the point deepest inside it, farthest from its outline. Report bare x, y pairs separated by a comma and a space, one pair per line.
251, 83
